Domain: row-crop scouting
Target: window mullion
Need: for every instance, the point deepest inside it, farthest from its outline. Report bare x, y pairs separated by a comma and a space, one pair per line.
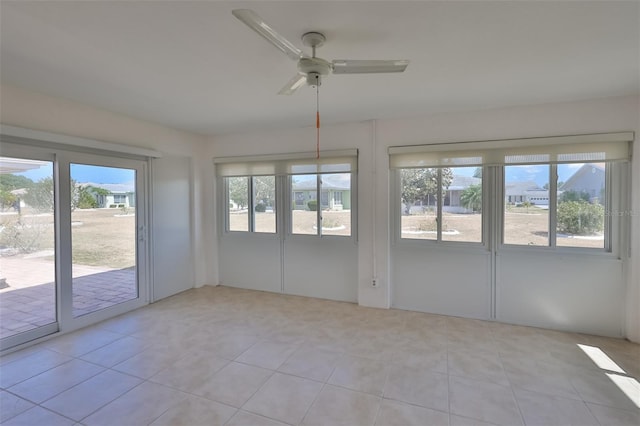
439, 206
319, 204
608, 204
553, 204
250, 205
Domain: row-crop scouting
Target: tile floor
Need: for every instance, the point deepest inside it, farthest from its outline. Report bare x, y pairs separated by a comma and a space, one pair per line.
225, 356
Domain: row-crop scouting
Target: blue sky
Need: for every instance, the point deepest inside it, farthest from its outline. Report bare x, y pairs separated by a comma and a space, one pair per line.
82, 173
538, 174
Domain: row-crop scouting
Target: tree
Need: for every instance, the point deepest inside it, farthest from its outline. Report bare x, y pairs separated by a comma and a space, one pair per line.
477, 173
7, 199
238, 191
418, 184
10, 182
86, 199
471, 198
40, 195
264, 189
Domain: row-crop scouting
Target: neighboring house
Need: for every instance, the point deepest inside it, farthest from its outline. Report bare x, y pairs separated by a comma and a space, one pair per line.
588, 178
120, 194
451, 202
528, 191
335, 194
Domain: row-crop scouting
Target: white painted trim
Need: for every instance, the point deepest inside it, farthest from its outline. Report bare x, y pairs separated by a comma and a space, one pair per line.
74, 141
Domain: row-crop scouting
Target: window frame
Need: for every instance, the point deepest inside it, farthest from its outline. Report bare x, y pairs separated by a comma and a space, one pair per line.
613, 149
250, 206
282, 166
353, 210
614, 201
484, 242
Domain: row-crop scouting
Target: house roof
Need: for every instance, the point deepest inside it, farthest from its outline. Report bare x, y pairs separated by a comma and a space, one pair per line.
512, 188
462, 182
340, 182
114, 188
585, 168
19, 165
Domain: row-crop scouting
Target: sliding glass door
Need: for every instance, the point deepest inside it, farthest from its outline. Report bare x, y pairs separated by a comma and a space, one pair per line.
27, 249
73, 244
103, 237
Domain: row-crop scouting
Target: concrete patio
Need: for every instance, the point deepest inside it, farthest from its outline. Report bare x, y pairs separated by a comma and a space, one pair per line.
29, 300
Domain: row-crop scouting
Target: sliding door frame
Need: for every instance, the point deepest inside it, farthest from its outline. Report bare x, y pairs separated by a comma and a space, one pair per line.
62, 156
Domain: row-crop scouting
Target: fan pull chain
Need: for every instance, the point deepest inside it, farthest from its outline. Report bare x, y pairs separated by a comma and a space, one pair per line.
317, 118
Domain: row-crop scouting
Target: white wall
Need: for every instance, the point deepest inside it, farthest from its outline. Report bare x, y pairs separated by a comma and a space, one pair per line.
22, 108
351, 135
36, 111
373, 138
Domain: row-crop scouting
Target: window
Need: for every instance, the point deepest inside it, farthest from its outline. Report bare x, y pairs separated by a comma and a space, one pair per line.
238, 201
576, 207
441, 203
317, 202
582, 201
304, 216
334, 218
526, 216
555, 191
264, 204
119, 198
261, 204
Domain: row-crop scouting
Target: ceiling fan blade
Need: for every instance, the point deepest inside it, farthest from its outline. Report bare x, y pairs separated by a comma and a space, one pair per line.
293, 85
255, 22
350, 66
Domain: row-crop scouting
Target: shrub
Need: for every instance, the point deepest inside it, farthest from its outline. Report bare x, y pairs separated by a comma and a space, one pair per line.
330, 222
574, 196
313, 205
260, 208
22, 237
580, 217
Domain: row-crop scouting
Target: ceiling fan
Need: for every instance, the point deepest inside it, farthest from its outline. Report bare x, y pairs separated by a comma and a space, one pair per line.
311, 69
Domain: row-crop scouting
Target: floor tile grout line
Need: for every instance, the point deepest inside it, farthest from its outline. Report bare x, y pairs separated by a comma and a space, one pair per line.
312, 403
500, 354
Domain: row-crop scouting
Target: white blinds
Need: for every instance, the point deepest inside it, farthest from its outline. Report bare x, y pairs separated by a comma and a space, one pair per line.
562, 149
342, 161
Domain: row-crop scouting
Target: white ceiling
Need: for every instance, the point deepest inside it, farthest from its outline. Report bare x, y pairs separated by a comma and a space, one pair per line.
193, 66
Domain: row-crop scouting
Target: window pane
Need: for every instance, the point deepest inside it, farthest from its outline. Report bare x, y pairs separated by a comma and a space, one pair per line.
238, 216
264, 203
462, 204
27, 245
419, 201
335, 196
526, 205
103, 237
581, 199
304, 204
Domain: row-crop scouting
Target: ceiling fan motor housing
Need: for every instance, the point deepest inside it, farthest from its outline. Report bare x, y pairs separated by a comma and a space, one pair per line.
314, 69
314, 65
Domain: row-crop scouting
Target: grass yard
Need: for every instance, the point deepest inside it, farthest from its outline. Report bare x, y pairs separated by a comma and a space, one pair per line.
303, 222
522, 226
100, 237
